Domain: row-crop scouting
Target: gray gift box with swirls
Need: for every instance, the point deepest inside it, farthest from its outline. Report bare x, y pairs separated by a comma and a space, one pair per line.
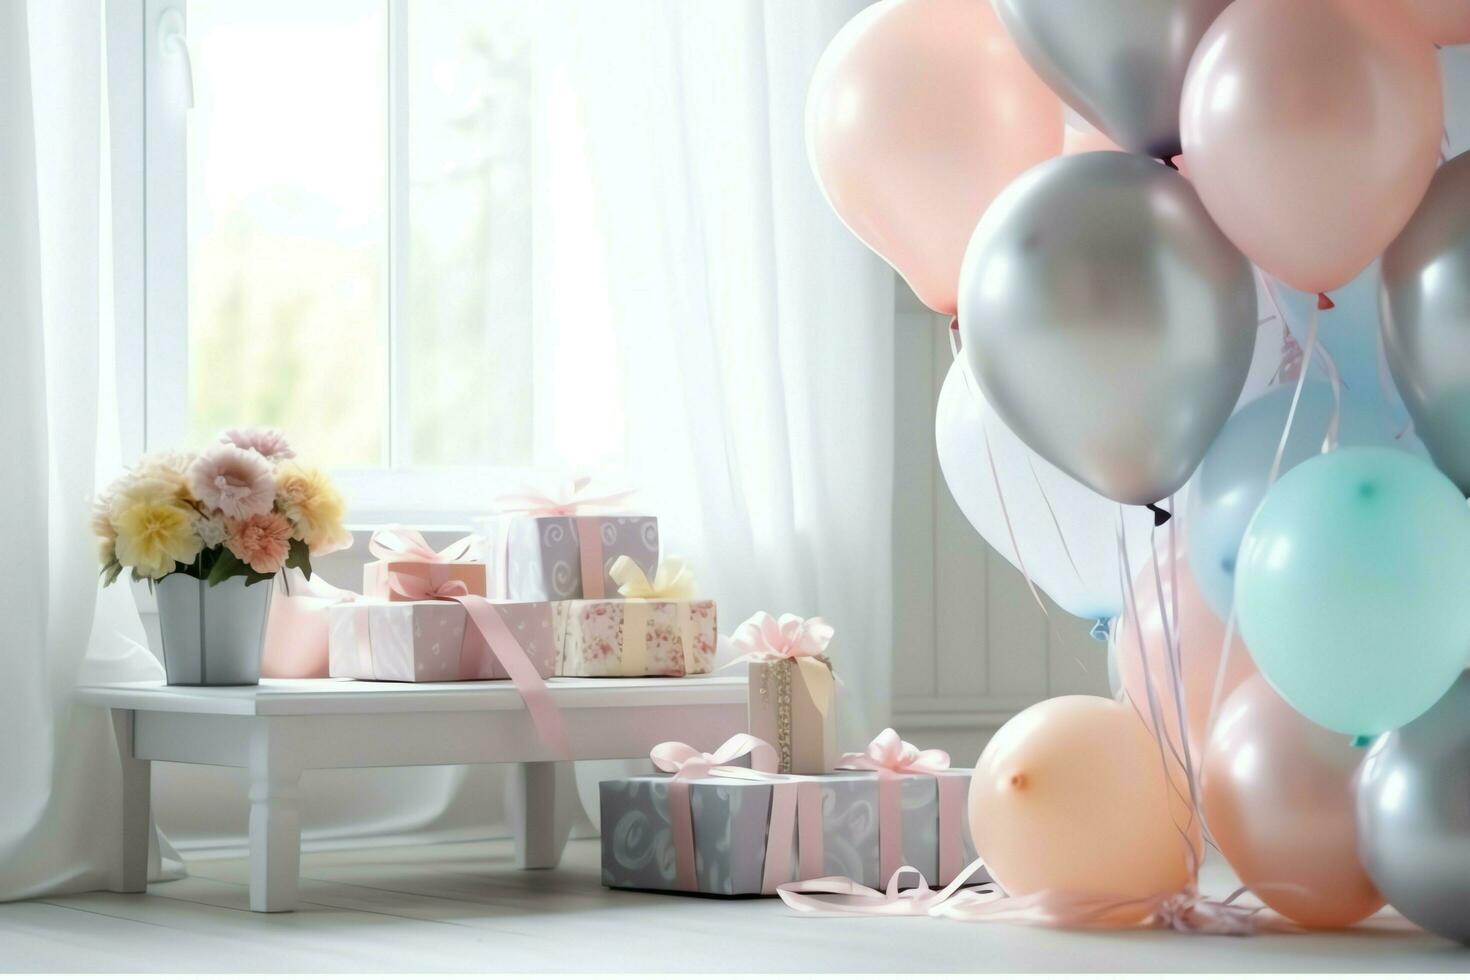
538, 558
731, 819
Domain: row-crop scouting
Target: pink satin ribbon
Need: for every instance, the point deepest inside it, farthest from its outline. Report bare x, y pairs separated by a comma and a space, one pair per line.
503, 645
764, 639
794, 823
398, 543
891, 757
571, 498
1183, 911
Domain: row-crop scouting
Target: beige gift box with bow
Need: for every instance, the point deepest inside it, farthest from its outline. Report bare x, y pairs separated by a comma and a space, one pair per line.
793, 692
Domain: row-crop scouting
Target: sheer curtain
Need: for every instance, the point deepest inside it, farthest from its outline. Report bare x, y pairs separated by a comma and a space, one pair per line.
60, 792
694, 292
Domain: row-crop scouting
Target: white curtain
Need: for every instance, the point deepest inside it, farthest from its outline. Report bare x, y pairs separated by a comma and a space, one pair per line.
59, 785
694, 292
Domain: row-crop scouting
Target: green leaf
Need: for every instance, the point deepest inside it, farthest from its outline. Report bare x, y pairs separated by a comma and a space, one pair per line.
254, 577
110, 572
299, 557
227, 566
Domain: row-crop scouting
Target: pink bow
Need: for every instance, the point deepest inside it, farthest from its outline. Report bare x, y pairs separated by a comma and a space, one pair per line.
1183, 911
889, 753
687, 762
569, 498
502, 643
763, 638
398, 543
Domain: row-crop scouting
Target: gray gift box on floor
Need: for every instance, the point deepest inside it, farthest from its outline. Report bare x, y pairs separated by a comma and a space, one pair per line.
731, 819
533, 558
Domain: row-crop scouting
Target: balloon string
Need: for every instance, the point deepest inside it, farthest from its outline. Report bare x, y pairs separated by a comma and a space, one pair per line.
1006, 516
1296, 396
1324, 356
1055, 521
1160, 732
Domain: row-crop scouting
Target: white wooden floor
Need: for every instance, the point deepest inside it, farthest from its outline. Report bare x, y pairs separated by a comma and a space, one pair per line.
464, 907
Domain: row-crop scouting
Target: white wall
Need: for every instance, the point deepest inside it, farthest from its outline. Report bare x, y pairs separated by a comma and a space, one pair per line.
971, 647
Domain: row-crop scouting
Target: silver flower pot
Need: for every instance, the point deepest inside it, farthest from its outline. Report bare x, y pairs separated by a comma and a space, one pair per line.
212, 634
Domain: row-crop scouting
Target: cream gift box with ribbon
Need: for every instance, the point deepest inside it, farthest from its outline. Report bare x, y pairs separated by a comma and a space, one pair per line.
712, 826
793, 693
657, 628
561, 544
402, 550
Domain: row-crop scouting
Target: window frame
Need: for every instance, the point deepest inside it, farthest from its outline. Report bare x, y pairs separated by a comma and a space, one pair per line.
149, 146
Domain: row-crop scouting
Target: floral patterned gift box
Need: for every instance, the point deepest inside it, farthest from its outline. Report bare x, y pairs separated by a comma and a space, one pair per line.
656, 629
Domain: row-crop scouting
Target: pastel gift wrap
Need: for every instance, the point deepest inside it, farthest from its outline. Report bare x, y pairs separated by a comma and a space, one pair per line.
655, 630
431, 640
750, 831
298, 624
403, 551
564, 556
793, 692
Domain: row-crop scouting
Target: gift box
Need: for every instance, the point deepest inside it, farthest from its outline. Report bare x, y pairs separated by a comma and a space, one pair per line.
558, 557
793, 692
654, 630
733, 831
561, 543
433, 640
403, 551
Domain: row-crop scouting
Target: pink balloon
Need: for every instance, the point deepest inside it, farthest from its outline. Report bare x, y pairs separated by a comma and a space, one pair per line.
1201, 638
1312, 130
1443, 21
1279, 800
918, 114
1086, 141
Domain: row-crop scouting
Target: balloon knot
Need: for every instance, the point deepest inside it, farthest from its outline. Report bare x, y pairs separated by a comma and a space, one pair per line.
1324, 302
1168, 161
1100, 629
1161, 516
1362, 741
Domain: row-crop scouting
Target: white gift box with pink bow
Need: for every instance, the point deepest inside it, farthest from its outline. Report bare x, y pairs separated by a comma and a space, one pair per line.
723, 823
793, 691
561, 544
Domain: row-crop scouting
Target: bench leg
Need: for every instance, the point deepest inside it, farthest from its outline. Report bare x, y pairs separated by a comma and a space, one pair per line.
539, 806
275, 822
131, 874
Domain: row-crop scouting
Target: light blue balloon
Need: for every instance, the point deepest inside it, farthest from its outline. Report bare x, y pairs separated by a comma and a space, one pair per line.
1231, 480
1353, 588
1349, 332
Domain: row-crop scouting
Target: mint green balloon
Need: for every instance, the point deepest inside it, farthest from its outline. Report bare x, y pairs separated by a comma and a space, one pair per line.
1353, 588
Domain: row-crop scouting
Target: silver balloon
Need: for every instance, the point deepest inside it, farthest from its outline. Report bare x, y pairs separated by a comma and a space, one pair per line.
1425, 313
1109, 322
1414, 816
1119, 63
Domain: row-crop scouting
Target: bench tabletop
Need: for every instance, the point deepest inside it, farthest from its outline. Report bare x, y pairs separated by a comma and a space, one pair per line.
341, 696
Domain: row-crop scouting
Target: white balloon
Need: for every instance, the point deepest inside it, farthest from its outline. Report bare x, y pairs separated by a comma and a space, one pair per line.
1088, 520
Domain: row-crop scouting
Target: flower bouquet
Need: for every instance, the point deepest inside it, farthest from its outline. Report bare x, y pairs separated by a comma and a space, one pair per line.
209, 531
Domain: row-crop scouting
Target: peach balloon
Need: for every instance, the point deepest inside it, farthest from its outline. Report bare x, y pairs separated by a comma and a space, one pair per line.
1312, 130
918, 114
1069, 796
1201, 639
1443, 21
1279, 800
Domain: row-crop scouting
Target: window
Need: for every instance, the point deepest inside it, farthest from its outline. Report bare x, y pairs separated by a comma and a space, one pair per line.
351, 254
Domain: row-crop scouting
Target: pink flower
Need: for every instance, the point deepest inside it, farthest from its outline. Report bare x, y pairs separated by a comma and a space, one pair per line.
234, 481
262, 541
270, 443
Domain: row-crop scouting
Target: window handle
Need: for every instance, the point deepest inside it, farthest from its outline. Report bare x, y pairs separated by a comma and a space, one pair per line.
173, 46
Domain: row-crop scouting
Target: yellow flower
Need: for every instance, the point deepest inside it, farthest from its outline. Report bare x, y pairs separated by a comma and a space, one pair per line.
313, 506
169, 469
153, 535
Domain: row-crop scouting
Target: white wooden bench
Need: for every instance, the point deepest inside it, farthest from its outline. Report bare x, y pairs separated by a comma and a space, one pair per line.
281, 728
